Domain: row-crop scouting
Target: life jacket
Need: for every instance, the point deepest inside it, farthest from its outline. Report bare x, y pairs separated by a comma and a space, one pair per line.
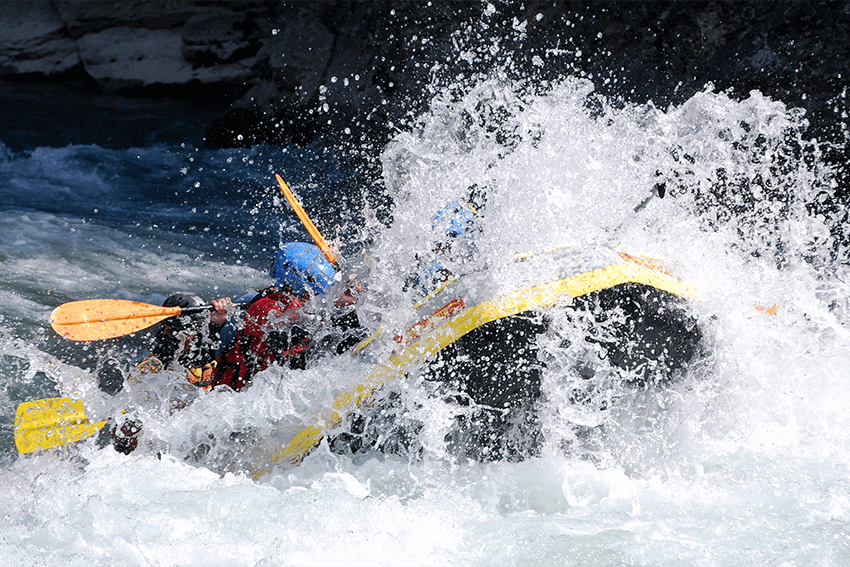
188, 340
191, 345
270, 334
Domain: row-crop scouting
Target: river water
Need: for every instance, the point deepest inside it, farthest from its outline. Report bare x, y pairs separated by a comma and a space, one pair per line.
743, 461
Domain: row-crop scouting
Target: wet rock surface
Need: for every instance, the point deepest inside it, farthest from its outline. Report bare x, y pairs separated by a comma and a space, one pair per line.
245, 72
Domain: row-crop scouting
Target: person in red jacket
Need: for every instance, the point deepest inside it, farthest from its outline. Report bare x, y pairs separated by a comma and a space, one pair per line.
273, 331
274, 328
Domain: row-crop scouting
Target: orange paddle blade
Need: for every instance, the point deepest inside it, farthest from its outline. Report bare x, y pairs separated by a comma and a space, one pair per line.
305, 220
98, 319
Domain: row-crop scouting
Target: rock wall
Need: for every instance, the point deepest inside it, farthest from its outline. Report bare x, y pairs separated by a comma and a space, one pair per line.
284, 71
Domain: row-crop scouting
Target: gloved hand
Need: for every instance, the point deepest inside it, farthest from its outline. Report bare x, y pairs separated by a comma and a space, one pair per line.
125, 438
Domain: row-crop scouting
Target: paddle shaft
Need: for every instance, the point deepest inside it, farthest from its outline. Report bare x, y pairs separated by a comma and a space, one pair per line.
186, 311
174, 313
199, 309
305, 220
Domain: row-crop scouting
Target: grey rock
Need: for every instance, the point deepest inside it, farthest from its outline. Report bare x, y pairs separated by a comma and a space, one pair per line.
293, 69
122, 57
34, 41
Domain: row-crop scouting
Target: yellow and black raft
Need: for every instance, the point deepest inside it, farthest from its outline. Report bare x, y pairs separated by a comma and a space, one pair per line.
485, 347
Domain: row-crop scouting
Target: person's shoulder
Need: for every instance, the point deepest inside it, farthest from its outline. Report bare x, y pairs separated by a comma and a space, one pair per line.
249, 298
273, 295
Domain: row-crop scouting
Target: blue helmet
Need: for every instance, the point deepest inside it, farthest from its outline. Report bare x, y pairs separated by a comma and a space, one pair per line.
458, 218
303, 268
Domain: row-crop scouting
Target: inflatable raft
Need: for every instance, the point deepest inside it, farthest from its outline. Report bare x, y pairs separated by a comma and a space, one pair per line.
472, 342
478, 343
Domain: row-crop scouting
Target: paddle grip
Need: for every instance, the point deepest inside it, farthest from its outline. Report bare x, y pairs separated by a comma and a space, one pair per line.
207, 307
196, 309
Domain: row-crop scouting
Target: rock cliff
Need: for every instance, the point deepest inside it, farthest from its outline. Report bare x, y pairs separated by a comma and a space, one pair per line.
283, 71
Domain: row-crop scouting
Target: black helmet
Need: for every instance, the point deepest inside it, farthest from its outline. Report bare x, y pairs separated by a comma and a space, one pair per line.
184, 299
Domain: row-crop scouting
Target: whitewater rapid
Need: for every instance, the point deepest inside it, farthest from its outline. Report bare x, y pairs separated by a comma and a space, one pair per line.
744, 461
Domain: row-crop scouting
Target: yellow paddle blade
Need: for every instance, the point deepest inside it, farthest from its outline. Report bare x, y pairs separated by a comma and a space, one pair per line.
305, 220
43, 424
98, 319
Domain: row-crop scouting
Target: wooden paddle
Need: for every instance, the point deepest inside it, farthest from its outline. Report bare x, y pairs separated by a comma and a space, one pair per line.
305, 220
44, 424
98, 319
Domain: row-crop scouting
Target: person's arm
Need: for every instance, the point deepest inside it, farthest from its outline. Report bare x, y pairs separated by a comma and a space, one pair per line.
220, 306
350, 296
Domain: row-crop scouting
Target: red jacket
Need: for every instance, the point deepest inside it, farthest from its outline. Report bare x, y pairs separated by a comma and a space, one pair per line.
269, 335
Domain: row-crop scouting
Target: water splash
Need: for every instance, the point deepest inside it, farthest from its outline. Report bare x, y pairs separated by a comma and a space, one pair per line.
746, 449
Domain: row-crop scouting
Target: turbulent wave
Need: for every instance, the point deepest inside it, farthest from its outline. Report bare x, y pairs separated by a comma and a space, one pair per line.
741, 459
